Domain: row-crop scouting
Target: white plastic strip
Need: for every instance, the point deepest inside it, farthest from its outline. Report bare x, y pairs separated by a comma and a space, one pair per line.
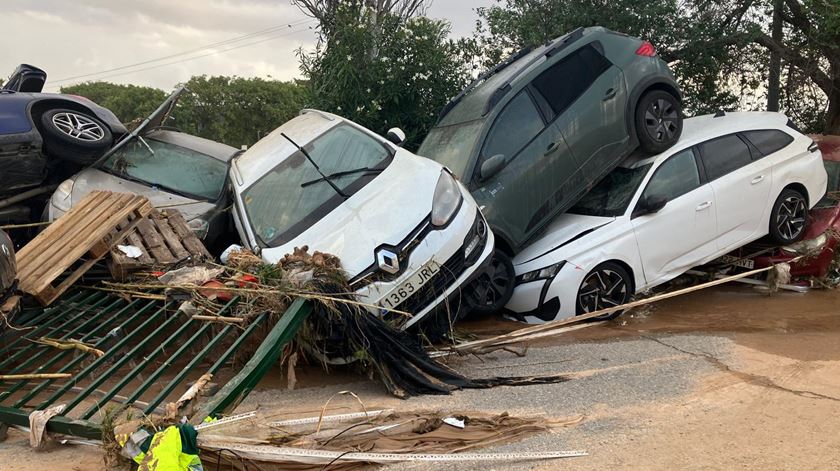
226, 420
331, 418
270, 453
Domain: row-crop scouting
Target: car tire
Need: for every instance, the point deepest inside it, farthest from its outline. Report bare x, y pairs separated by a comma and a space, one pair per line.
74, 136
789, 217
607, 285
491, 291
659, 121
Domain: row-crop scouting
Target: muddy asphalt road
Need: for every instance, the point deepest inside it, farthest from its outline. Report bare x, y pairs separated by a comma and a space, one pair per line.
719, 379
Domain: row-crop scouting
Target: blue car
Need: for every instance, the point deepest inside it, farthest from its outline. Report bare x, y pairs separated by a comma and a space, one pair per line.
44, 137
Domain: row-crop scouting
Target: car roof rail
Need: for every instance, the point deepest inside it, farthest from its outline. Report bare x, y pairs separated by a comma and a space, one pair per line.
481, 78
561, 43
565, 41
720, 114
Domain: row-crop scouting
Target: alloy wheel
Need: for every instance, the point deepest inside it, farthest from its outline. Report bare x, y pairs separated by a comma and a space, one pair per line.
602, 289
790, 218
661, 118
78, 126
492, 286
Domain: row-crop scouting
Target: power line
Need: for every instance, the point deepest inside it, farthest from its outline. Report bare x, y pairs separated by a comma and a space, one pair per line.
200, 56
270, 30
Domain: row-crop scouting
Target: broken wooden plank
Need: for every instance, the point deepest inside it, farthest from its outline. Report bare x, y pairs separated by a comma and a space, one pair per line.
164, 239
101, 220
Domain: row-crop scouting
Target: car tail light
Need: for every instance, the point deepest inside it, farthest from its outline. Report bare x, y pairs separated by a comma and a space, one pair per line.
646, 49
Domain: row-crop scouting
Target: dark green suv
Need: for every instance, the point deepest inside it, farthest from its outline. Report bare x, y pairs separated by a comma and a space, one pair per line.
532, 135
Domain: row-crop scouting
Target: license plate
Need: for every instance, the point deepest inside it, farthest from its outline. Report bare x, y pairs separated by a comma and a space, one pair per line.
410, 286
738, 262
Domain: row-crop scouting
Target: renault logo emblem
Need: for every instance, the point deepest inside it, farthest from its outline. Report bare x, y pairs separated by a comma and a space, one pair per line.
388, 261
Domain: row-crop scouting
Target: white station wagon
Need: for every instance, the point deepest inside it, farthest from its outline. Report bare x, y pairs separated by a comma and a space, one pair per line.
730, 179
408, 234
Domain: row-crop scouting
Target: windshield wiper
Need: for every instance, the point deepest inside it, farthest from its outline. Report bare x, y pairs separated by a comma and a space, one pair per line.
317, 168
342, 174
146, 145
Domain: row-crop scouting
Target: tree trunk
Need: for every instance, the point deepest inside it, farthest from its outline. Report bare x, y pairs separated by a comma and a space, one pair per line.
774, 78
832, 116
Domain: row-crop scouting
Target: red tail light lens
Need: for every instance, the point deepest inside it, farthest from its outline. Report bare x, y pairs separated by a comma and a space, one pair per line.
646, 49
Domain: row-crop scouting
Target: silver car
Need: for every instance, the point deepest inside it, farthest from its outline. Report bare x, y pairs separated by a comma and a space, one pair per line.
172, 169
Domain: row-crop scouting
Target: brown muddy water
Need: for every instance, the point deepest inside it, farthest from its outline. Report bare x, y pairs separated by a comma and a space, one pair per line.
753, 319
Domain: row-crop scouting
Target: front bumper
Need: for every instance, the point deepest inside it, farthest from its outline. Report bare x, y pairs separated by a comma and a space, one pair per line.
447, 249
547, 300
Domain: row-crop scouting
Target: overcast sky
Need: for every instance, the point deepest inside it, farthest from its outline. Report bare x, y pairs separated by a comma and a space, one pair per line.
71, 39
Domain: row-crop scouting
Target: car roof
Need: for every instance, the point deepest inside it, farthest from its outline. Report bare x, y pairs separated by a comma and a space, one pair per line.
474, 103
273, 148
214, 149
699, 129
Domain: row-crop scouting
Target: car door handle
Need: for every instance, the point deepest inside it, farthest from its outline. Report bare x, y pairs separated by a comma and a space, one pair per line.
702, 206
610, 94
757, 179
551, 148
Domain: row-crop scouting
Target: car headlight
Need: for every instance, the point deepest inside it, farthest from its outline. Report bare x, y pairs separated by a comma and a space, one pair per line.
61, 198
199, 226
447, 199
541, 274
807, 246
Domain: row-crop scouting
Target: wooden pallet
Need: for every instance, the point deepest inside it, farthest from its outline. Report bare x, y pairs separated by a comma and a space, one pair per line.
165, 240
100, 221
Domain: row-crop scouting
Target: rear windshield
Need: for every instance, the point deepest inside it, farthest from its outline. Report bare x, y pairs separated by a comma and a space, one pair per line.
280, 207
612, 195
170, 167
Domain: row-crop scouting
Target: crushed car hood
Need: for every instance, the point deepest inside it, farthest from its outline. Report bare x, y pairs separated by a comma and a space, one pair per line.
385, 211
564, 230
92, 179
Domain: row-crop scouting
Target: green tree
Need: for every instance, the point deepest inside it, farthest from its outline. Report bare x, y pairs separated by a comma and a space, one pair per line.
726, 54
687, 37
234, 110
128, 102
394, 72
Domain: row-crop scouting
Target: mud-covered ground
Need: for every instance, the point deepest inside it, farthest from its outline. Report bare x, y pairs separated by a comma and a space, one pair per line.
718, 379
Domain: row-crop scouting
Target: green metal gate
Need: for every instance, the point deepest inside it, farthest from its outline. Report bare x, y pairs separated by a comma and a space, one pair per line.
152, 351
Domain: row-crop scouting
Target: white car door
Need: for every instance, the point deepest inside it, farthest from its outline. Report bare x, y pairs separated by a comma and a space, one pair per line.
683, 232
741, 187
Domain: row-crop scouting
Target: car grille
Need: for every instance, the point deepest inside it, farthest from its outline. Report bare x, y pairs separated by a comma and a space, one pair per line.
449, 272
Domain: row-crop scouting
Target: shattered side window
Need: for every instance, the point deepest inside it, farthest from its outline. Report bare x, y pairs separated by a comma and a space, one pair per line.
611, 196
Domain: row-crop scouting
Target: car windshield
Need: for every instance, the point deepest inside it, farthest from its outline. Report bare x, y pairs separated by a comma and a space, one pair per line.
293, 195
611, 196
174, 168
452, 146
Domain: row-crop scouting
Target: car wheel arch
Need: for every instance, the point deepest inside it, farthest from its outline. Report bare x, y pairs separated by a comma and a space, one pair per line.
655, 83
796, 186
38, 107
629, 270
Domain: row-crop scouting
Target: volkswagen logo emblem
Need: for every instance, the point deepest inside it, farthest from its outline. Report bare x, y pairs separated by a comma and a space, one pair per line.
388, 261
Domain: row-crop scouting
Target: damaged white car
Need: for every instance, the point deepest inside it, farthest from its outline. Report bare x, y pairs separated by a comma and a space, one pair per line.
408, 234
730, 179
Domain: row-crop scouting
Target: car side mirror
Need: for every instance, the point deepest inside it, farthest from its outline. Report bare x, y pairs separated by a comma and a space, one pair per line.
650, 205
396, 136
491, 166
